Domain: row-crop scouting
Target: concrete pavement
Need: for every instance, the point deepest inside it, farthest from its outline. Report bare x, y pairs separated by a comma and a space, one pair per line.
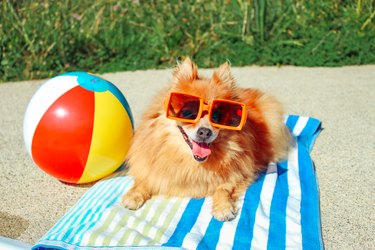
344, 153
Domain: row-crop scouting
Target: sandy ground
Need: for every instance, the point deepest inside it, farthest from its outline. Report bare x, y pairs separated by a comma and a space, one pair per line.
344, 154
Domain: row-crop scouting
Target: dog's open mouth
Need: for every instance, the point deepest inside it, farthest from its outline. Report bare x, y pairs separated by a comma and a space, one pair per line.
201, 150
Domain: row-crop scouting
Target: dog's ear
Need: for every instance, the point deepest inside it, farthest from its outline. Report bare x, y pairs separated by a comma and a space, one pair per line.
185, 71
223, 75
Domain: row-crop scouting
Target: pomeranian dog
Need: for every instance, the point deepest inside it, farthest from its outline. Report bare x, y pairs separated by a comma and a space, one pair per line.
205, 137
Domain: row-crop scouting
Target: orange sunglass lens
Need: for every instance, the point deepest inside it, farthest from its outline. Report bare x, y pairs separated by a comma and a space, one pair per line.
226, 113
183, 106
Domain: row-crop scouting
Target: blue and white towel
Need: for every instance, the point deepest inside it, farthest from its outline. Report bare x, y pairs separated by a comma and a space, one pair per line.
279, 211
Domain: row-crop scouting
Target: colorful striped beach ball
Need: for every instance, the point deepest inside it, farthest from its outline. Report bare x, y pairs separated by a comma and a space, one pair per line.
78, 127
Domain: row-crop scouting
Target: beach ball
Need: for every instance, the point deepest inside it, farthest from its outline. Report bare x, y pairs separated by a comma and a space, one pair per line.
77, 127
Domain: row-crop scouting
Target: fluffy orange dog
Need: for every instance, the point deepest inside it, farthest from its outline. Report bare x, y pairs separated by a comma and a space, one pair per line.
205, 137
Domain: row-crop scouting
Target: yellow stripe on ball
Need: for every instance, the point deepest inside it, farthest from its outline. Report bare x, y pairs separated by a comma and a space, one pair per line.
110, 140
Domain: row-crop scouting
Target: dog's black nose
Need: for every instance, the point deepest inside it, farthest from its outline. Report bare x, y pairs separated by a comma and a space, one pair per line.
204, 133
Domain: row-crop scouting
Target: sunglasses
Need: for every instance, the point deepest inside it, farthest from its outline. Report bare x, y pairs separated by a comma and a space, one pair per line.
189, 108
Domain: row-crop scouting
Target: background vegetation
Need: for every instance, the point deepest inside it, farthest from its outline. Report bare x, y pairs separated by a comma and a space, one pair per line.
43, 38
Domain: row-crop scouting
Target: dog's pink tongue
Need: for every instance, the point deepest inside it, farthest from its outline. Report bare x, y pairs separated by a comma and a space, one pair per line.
201, 149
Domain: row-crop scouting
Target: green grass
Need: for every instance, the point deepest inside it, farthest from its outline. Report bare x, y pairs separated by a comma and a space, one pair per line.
40, 39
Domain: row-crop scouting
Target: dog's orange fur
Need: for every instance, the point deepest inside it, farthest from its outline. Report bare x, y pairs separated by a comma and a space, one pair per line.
161, 162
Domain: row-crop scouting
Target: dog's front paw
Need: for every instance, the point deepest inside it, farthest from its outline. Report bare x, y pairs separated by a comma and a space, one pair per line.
133, 200
224, 211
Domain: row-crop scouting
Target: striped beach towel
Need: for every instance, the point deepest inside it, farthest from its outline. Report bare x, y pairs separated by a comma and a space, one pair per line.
279, 211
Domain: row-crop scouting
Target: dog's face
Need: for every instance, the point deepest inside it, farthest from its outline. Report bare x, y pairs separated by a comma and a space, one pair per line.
201, 135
